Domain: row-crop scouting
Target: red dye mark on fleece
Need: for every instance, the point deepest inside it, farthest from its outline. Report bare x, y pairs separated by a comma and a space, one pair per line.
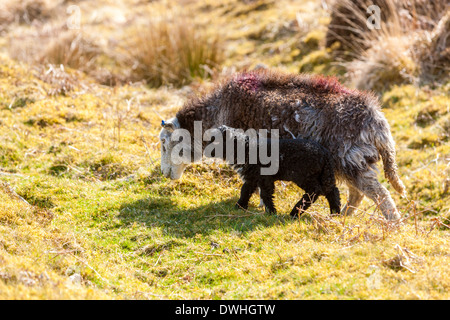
248, 81
329, 84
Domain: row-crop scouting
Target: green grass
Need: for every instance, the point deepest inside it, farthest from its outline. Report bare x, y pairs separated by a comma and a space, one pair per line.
177, 240
86, 214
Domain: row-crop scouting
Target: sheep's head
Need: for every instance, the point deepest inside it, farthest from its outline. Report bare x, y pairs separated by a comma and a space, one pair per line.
170, 167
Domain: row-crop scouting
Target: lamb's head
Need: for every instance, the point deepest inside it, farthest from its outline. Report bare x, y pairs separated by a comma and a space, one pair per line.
236, 134
234, 144
223, 130
170, 167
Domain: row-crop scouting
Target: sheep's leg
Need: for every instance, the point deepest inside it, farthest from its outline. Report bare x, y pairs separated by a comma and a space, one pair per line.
261, 202
305, 202
267, 189
246, 192
368, 183
354, 200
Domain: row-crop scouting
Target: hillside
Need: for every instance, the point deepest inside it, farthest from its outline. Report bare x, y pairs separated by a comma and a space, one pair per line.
86, 214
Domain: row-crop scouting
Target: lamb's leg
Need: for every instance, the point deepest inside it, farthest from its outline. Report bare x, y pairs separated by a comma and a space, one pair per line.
267, 188
246, 192
354, 200
334, 200
305, 202
368, 183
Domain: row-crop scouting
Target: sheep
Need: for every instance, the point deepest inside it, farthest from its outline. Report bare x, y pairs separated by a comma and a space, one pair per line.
301, 161
348, 123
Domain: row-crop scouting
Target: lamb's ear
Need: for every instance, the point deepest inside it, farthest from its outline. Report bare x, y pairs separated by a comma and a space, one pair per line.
223, 128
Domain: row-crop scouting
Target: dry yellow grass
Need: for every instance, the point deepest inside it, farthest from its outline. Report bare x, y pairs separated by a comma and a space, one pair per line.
399, 50
86, 214
172, 50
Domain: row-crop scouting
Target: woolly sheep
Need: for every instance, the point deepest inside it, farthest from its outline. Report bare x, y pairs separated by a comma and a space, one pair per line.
348, 123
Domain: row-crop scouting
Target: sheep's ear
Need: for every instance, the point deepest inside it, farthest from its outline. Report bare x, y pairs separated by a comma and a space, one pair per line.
168, 125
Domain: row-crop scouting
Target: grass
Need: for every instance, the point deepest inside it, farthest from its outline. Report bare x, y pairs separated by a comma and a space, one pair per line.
168, 247
172, 50
402, 50
86, 214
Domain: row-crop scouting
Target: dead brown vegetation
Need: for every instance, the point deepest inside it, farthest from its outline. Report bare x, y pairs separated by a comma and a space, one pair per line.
23, 11
410, 46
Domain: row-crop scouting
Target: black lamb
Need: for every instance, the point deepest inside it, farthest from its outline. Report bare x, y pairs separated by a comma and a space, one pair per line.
304, 162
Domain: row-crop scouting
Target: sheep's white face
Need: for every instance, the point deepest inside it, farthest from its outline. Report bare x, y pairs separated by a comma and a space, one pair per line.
170, 168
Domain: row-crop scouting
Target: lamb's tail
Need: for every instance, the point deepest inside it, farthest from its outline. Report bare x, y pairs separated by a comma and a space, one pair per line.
386, 147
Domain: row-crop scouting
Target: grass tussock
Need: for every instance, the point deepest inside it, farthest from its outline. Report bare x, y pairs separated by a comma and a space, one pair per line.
404, 49
388, 62
349, 20
24, 12
71, 49
172, 50
433, 51
57, 46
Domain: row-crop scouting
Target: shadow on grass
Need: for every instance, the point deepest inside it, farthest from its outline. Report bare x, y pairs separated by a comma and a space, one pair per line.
164, 212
